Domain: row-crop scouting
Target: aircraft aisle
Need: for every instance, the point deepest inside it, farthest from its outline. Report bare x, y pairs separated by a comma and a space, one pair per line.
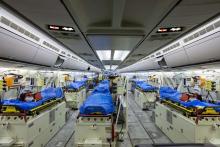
141, 129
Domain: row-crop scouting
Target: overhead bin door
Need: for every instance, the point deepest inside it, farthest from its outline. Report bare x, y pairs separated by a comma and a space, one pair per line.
72, 64
149, 64
45, 57
15, 47
205, 49
176, 58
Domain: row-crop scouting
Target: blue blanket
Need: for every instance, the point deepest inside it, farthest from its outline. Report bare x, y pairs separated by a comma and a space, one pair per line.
76, 85
98, 103
146, 87
47, 94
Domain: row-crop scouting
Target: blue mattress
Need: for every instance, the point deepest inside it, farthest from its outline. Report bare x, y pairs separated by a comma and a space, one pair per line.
47, 94
146, 87
98, 103
173, 95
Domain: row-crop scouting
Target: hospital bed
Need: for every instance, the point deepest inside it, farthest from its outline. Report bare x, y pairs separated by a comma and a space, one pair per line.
191, 121
32, 123
145, 95
75, 93
97, 117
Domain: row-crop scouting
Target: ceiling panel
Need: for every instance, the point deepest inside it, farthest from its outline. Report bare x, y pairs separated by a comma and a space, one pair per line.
187, 14
117, 24
106, 42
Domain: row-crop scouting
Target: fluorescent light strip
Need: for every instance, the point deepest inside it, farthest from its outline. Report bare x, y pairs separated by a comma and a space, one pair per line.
104, 54
120, 54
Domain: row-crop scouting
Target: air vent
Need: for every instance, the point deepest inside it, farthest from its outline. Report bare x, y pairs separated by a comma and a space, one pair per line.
18, 28
171, 47
65, 35
51, 46
157, 54
74, 58
63, 53
217, 24
202, 32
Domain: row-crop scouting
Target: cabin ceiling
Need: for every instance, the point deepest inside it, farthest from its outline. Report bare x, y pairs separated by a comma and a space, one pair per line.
116, 24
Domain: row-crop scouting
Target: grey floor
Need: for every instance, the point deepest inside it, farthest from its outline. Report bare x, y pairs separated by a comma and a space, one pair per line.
141, 129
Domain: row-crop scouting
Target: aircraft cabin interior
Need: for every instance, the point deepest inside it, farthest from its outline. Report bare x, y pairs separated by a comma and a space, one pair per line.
109, 73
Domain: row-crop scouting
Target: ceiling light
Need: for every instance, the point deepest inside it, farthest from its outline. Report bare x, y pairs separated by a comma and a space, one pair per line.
113, 67
120, 54
107, 67
104, 54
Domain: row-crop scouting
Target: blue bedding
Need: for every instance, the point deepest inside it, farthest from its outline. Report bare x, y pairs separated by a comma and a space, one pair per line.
101, 88
99, 102
76, 85
173, 95
146, 87
47, 94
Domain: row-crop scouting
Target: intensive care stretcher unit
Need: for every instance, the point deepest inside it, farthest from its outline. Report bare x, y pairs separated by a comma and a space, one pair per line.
32, 123
191, 121
97, 123
145, 94
75, 93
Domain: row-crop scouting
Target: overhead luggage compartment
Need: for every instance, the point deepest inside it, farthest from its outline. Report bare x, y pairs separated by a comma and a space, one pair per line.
148, 65
73, 64
204, 50
45, 57
15, 47
176, 58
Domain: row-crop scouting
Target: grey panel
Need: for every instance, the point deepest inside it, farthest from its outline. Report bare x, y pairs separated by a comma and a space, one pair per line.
45, 57
71, 64
108, 42
206, 49
16, 47
176, 58
149, 64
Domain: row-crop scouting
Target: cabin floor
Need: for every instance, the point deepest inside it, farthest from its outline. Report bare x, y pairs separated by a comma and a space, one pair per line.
141, 129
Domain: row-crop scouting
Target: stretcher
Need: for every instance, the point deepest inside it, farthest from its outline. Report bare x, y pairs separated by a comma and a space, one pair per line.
49, 96
145, 95
75, 93
191, 107
146, 87
96, 119
192, 121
